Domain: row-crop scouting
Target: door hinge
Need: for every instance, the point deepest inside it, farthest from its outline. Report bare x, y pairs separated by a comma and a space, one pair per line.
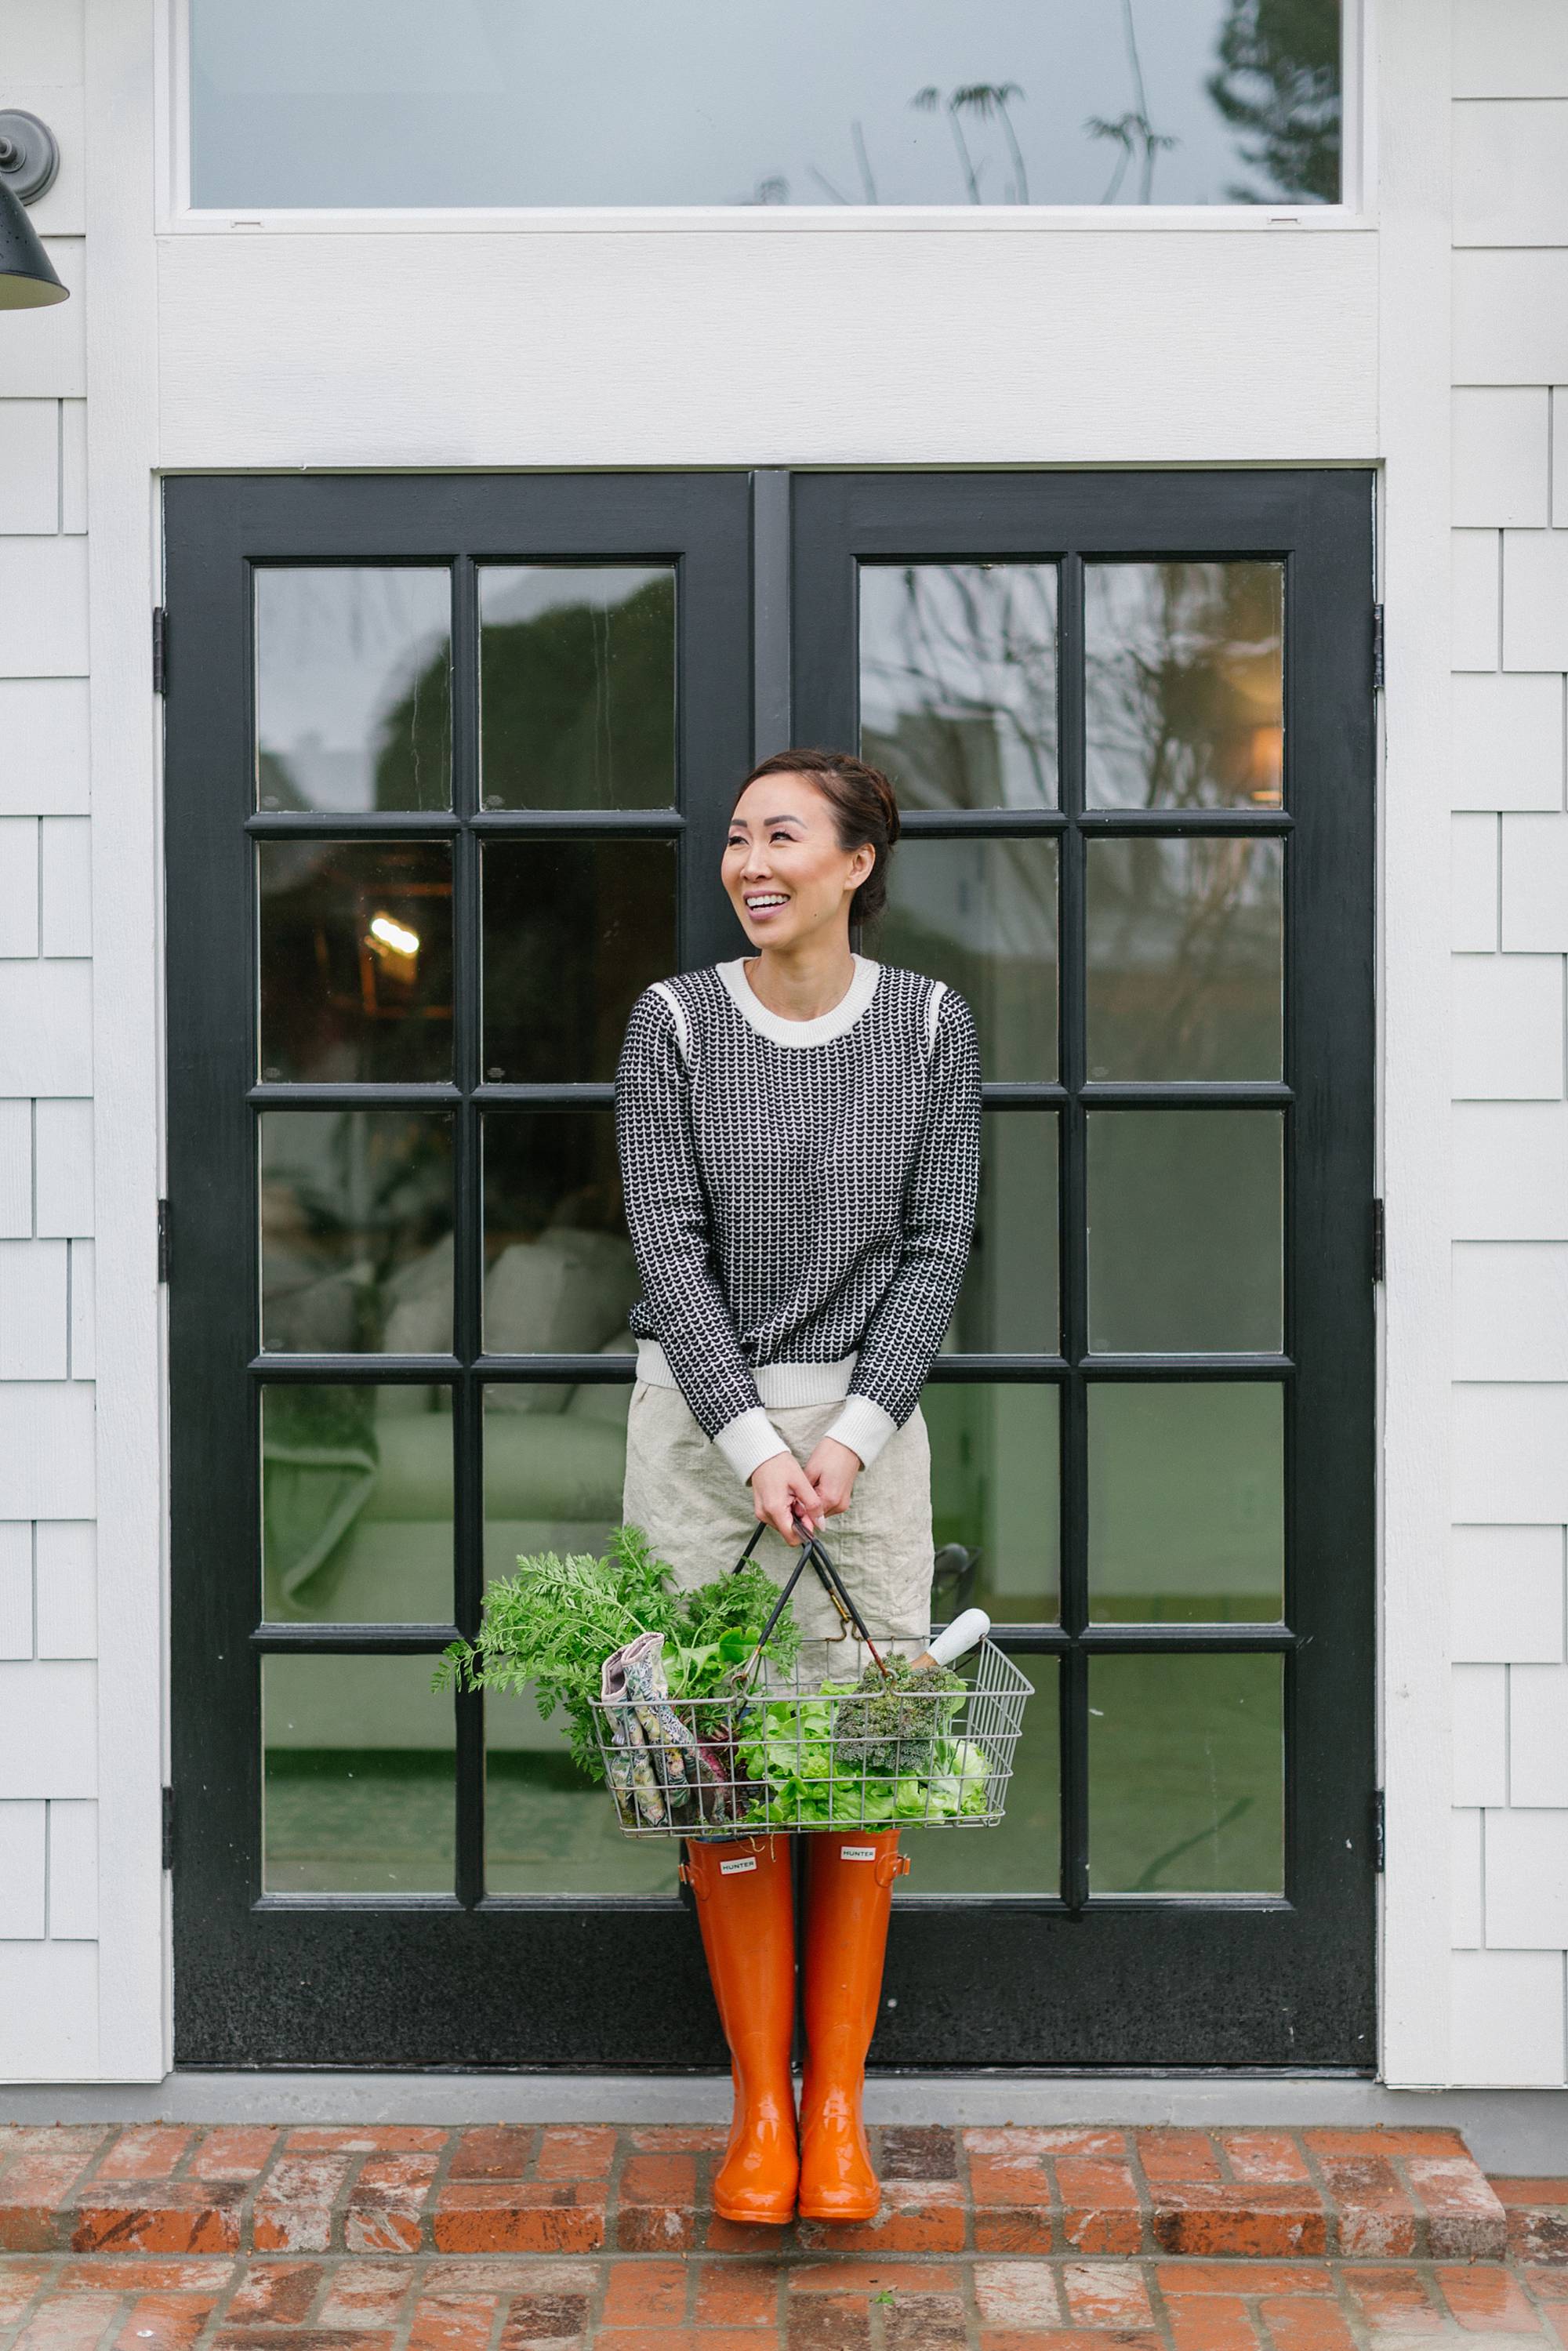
162, 1240
168, 1825
1377, 649
160, 648
1379, 1241
1379, 1823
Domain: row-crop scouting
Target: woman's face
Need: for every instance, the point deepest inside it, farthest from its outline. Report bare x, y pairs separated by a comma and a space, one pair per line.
785, 872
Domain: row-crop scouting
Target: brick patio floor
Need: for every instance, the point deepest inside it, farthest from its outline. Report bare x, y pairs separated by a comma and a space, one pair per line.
162, 2238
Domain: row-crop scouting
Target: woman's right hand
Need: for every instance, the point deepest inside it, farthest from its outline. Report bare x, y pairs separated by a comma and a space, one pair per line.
779, 1488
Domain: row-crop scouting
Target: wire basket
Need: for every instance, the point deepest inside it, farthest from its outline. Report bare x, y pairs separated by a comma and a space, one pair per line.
789, 1754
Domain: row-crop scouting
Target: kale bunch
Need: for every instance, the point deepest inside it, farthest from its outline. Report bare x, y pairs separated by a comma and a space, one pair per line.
893, 1720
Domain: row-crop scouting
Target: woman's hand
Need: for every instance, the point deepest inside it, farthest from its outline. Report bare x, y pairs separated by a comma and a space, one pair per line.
832, 1469
779, 1488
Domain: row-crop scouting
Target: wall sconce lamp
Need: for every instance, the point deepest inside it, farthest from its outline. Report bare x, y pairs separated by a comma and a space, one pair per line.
29, 158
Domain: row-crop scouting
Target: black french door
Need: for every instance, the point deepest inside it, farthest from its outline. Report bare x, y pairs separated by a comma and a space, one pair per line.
449, 761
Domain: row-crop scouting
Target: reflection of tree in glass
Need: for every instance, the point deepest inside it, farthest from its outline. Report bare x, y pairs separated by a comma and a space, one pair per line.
986, 101
578, 709
1182, 677
1133, 132
1279, 82
958, 681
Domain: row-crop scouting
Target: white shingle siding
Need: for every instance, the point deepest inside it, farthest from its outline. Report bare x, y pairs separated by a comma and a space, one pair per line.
1474, 850
1508, 2019
73, 1871
1510, 1311
49, 1728
1510, 172
1511, 1455
15, 1588
1508, 730
1478, 599
1510, 1171
1537, 1750
67, 1588
30, 466
1510, 48
34, 1326
23, 1870
43, 746
1507, 1027
1481, 1735
1465, 1883
1507, 1597
1509, 1201
62, 1165
1535, 884
1500, 456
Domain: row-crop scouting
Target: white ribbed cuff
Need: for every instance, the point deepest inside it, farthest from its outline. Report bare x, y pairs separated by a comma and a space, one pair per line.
864, 1427
747, 1439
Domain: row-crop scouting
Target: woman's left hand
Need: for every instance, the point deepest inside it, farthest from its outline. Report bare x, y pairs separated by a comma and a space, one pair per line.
832, 1469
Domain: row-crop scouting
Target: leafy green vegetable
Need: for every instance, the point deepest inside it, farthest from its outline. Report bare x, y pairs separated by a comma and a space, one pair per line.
895, 1716
806, 1780
555, 1622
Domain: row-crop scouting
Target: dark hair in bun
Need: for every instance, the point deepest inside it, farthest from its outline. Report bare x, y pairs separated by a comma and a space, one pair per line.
865, 812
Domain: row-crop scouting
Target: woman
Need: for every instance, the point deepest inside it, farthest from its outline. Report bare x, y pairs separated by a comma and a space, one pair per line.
798, 1138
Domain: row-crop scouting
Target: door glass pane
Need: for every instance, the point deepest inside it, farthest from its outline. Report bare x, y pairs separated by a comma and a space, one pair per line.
574, 931
560, 1277
576, 673
1184, 684
981, 914
608, 102
958, 681
995, 1497
547, 1828
1023, 1854
1185, 1232
356, 960
1187, 1502
357, 1794
555, 1464
1186, 946
1187, 1775
353, 687
356, 1232
356, 1485
1007, 1304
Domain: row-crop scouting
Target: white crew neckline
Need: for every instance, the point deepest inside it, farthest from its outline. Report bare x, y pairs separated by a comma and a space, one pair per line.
826, 1026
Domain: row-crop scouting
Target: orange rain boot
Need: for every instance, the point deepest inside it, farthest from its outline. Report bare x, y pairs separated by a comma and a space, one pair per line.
746, 1908
849, 1893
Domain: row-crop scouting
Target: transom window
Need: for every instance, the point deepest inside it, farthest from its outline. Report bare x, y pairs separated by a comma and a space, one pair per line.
827, 102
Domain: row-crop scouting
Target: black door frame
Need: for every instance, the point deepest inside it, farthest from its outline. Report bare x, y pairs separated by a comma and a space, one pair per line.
421, 1981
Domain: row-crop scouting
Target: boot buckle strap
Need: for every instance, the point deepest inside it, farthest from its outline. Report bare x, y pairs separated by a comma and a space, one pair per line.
892, 1866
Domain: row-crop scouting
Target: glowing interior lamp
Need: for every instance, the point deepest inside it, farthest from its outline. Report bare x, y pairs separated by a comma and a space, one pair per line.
393, 936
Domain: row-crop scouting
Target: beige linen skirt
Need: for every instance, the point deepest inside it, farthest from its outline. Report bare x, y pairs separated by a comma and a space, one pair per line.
698, 1515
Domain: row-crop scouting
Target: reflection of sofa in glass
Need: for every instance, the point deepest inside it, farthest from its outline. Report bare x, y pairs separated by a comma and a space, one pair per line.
359, 1482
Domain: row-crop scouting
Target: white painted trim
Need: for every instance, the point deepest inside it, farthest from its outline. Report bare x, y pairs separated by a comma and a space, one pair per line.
765, 220
178, 215
1413, 85
121, 425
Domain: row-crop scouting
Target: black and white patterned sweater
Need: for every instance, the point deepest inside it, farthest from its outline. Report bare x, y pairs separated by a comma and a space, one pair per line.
800, 1196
